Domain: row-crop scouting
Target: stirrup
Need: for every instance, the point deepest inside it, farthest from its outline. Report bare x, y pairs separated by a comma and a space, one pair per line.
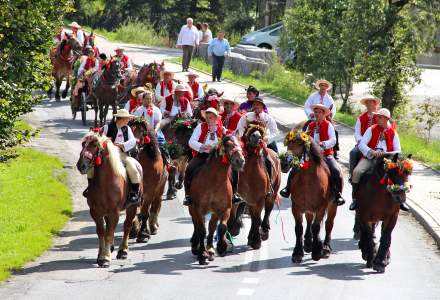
237, 199
285, 192
187, 201
353, 205
86, 192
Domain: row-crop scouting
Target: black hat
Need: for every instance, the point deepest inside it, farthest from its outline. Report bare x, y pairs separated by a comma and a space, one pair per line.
212, 92
259, 99
253, 89
102, 56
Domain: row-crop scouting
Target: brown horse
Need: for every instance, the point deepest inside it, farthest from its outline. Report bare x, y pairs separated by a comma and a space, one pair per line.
379, 198
62, 61
154, 179
311, 195
211, 191
177, 133
257, 189
105, 91
107, 194
150, 74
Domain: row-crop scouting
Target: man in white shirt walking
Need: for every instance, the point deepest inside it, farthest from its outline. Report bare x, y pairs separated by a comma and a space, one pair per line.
187, 40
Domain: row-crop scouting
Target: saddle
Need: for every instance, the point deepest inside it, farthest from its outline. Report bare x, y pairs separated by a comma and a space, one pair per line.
368, 173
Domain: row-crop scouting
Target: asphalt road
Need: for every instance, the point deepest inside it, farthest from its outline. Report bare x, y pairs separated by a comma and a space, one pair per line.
164, 268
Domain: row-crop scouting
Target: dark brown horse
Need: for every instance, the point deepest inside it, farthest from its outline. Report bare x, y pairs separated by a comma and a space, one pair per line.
107, 194
105, 91
211, 191
150, 74
255, 186
154, 179
177, 133
379, 197
311, 195
62, 61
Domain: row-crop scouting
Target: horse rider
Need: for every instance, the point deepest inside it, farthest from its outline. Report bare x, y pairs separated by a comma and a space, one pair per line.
258, 114
251, 94
126, 65
204, 138
230, 116
152, 114
165, 87
378, 140
121, 135
90, 40
86, 70
363, 122
103, 62
136, 99
176, 105
196, 87
77, 33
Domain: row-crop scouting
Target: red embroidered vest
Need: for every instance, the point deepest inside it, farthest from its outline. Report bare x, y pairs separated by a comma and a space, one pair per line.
90, 63
124, 61
363, 118
169, 86
132, 105
195, 89
232, 122
323, 134
389, 133
169, 103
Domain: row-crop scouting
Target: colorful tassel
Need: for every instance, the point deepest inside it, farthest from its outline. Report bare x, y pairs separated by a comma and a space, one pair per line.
147, 139
98, 161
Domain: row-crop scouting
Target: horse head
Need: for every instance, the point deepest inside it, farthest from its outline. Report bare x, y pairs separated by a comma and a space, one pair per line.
397, 172
93, 145
298, 142
286, 160
231, 150
115, 69
74, 45
145, 136
255, 133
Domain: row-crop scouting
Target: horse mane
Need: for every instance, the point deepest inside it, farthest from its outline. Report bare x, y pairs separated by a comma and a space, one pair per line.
299, 126
315, 153
151, 149
113, 152
255, 126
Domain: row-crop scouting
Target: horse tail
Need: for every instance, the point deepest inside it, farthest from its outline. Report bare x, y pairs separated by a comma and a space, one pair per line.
115, 160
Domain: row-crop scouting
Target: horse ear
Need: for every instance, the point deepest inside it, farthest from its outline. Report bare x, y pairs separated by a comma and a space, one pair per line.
395, 157
409, 156
221, 94
163, 63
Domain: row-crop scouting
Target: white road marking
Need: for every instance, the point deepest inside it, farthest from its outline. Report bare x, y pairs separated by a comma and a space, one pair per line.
245, 292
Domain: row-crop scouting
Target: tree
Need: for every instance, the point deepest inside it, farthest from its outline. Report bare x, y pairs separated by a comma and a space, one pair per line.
26, 36
428, 114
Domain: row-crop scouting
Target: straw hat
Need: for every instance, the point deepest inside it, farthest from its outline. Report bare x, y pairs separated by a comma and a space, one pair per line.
119, 48
321, 106
137, 90
168, 72
211, 110
75, 25
384, 113
321, 81
368, 98
225, 99
191, 73
180, 88
123, 113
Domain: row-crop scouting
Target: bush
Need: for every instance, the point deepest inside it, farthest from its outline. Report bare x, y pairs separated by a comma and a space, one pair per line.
136, 32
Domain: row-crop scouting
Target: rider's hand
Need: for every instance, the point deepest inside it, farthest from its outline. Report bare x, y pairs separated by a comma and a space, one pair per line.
120, 146
377, 154
206, 148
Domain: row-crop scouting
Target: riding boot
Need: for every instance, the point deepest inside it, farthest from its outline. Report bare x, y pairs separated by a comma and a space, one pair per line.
236, 197
188, 200
133, 197
339, 200
285, 192
86, 191
404, 207
353, 204
165, 155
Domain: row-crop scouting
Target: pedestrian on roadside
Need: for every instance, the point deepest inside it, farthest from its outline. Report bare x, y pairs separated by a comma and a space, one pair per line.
187, 40
218, 48
206, 34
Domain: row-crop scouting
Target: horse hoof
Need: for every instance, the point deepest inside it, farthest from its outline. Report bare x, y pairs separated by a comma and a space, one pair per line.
195, 251
357, 235
64, 95
379, 268
325, 253
254, 244
264, 235
307, 247
142, 238
297, 259
203, 262
171, 196
222, 248
112, 248
57, 99
103, 263
122, 254
179, 185
211, 254
369, 263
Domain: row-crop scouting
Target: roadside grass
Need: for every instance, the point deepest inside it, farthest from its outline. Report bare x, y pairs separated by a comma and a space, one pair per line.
34, 205
290, 85
133, 32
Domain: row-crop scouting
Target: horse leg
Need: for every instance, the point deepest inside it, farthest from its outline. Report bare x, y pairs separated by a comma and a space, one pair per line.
254, 239
111, 223
199, 221
154, 213
331, 214
298, 251
194, 239
382, 258
66, 90
308, 240
57, 89
100, 231
235, 222
265, 225
317, 245
104, 119
222, 245
144, 234
366, 243
130, 214
171, 193
182, 169
50, 90
356, 226
210, 238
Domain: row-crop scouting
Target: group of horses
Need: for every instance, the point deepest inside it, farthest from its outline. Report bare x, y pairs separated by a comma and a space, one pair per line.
211, 192
113, 85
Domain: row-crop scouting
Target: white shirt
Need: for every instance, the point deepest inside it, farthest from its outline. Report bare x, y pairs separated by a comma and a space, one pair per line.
194, 140
331, 142
81, 68
207, 34
315, 98
152, 120
129, 144
381, 144
166, 92
272, 129
79, 36
176, 109
188, 36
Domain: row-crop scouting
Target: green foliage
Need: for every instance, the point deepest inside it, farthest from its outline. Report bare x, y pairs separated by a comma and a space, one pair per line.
26, 32
428, 114
34, 204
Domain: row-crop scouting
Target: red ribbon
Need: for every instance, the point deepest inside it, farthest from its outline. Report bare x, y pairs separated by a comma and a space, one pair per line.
225, 159
98, 161
305, 165
147, 139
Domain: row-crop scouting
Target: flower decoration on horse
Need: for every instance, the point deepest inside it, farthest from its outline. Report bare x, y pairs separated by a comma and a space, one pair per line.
298, 137
402, 168
182, 123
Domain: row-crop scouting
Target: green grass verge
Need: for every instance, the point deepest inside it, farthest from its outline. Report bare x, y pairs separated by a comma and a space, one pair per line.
421, 151
34, 204
132, 32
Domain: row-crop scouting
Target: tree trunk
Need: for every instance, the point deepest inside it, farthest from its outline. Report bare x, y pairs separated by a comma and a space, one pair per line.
289, 4
388, 96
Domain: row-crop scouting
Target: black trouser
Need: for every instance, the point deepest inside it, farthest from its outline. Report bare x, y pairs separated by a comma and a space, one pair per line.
335, 174
273, 146
355, 157
187, 55
217, 66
